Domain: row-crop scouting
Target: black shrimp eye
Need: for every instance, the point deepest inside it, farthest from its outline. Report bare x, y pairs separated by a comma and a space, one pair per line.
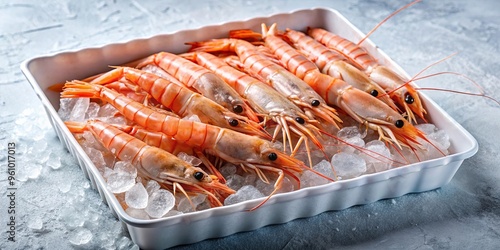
272, 156
399, 123
300, 120
315, 103
198, 175
374, 92
233, 122
409, 99
238, 109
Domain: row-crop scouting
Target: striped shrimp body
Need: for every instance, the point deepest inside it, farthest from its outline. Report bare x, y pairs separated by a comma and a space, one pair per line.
162, 141
265, 100
400, 89
332, 63
360, 105
201, 79
155, 163
183, 101
247, 151
259, 66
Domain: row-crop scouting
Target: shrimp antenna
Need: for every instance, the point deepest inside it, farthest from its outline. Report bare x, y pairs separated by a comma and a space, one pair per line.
385, 20
422, 71
482, 94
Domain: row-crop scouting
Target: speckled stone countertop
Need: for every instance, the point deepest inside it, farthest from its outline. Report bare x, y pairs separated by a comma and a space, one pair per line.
51, 188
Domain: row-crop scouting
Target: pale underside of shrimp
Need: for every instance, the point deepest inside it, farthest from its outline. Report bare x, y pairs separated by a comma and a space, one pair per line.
240, 149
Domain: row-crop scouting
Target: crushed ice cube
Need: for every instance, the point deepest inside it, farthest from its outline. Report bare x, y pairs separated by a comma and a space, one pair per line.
160, 203
65, 185
245, 193
137, 196
80, 236
426, 128
121, 178
54, 161
33, 170
348, 165
194, 161
310, 178
125, 167
78, 111
137, 213
193, 118
185, 206
72, 218
92, 110
228, 169
379, 159
107, 110
96, 157
235, 181
35, 224
152, 186
441, 139
349, 132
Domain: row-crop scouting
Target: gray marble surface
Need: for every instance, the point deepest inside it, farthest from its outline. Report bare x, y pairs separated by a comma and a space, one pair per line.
51, 188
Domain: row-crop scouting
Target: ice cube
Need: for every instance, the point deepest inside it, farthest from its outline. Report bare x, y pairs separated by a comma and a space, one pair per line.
125, 167
235, 181
349, 132
441, 139
351, 144
33, 170
64, 185
71, 218
137, 213
348, 165
194, 161
107, 110
245, 193
54, 161
426, 128
185, 206
324, 167
96, 157
78, 111
379, 159
152, 186
160, 203
228, 169
65, 107
121, 178
310, 178
137, 196
80, 236
36, 223
92, 110
193, 118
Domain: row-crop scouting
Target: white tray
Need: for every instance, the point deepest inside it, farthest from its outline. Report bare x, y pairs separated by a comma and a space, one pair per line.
45, 71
